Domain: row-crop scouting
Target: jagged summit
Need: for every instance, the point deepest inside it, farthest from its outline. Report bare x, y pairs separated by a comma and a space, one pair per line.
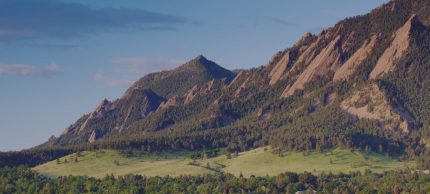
200, 58
103, 104
178, 81
198, 62
398, 47
201, 63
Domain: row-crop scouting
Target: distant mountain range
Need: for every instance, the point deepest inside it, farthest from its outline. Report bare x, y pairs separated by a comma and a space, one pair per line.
362, 83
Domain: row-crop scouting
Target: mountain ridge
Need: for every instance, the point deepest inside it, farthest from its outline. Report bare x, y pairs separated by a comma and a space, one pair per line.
356, 84
139, 101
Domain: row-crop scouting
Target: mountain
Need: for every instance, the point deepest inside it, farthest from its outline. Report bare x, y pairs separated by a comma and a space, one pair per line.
142, 99
176, 82
109, 116
362, 83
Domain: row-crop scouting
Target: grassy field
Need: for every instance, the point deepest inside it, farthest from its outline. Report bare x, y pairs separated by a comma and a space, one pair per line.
98, 164
259, 162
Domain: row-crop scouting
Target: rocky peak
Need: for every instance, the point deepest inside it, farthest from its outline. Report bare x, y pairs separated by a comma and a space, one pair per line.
200, 58
197, 71
305, 38
280, 68
329, 59
397, 49
170, 102
197, 62
103, 105
200, 63
356, 59
206, 89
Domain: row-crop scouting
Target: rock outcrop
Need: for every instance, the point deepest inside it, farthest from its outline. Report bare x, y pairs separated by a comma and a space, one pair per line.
98, 113
241, 88
170, 103
139, 105
372, 103
355, 60
206, 89
330, 98
307, 54
93, 137
191, 94
397, 49
329, 59
280, 69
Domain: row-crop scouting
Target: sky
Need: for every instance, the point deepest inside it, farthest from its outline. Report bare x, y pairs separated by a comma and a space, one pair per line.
60, 58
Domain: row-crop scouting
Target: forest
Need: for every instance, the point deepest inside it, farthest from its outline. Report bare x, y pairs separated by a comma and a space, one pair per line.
23, 180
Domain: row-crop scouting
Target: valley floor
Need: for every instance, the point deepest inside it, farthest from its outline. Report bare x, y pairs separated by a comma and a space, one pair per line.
259, 162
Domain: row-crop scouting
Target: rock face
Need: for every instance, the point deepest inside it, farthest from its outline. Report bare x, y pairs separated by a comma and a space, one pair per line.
308, 53
114, 116
369, 103
139, 105
329, 59
206, 89
92, 137
241, 88
372, 103
280, 69
396, 51
240, 84
170, 103
96, 114
330, 98
351, 64
237, 78
79, 126
191, 95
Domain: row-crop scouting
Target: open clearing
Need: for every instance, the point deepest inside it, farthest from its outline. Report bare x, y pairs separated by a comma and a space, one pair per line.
259, 162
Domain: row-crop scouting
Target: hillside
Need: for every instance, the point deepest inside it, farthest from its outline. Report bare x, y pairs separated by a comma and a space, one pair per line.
258, 162
144, 97
361, 84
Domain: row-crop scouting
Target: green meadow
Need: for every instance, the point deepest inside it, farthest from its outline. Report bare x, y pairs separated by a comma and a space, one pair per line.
259, 162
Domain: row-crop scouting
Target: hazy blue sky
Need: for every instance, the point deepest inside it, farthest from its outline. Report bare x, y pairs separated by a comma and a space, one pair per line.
59, 59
